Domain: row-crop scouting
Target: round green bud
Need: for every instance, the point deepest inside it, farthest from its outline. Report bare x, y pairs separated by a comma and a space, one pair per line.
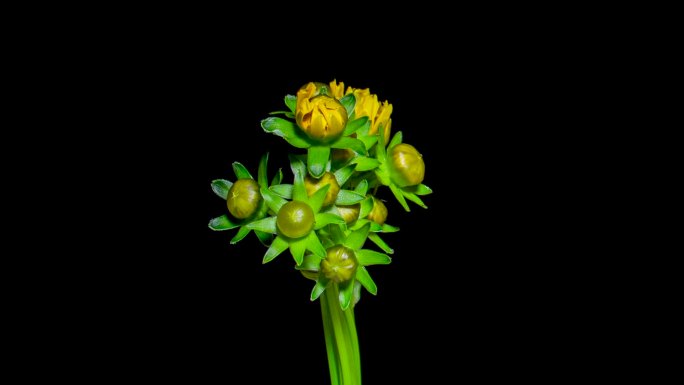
406, 165
339, 264
312, 185
295, 219
349, 213
379, 212
243, 198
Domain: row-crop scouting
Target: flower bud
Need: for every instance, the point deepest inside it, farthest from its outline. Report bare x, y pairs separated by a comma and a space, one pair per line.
379, 212
314, 184
321, 117
243, 198
340, 264
406, 165
349, 213
295, 219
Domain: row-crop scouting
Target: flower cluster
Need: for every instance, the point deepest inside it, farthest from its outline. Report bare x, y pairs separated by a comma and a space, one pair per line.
326, 215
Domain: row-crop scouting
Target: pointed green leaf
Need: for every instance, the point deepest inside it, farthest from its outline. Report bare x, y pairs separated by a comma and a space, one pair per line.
240, 171
261, 174
297, 248
314, 245
414, 198
291, 102
326, 242
364, 163
366, 280
420, 189
366, 207
273, 201
336, 234
282, 190
348, 101
350, 143
362, 188
240, 235
316, 200
324, 219
277, 247
396, 139
342, 175
357, 238
285, 129
280, 113
389, 228
319, 288
346, 293
359, 223
346, 197
299, 171
278, 177
354, 125
400, 197
375, 238
381, 152
221, 187
368, 141
264, 238
311, 263
223, 223
266, 225
369, 257
317, 160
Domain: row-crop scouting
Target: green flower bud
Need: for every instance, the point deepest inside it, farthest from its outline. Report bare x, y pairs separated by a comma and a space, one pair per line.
340, 264
379, 212
312, 185
295, 219
243, 198
349, 213
406, 165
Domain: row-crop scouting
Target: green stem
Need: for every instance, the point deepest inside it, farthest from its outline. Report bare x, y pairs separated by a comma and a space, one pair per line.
341, 341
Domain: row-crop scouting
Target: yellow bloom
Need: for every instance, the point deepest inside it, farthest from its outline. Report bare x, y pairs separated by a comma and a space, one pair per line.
321, 117
337, 90
379, 114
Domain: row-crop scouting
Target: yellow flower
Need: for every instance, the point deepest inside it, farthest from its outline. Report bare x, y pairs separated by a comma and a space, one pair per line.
379, 114
321, 117
337, 90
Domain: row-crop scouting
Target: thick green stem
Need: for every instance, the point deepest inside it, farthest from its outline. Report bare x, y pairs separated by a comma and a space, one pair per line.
341, 341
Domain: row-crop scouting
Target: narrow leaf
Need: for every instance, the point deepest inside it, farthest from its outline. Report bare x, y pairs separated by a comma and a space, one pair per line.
354, 125
240, 171
324, 219
222, 223
365, 164
414, 198
420, 189
400, 197
348, 101
346, 292
317, 160
346, 197
240, 235
266, 225
319, 288
314, 245
282, 190
396, 139
264, 238
273, 201
261, 174
362, 188
291, 102
277, 247
285, 129
311, 263
342, 175
297, 248
366, 280
369, 257
357, 238
278, 177
221, 187
350, 143
316, 200
368, 141
366, 207
375, 238
389, 228
336, 234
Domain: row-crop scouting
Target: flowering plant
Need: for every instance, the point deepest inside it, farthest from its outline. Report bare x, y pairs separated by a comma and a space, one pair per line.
326, 215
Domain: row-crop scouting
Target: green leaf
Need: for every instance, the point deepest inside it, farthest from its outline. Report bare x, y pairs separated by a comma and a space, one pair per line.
370, 257
280, 113
414, 198
364, 163
354, 125
319, 288
348, 101
381, 152
314, 245
298, 248
222, 223
346, 293
240, 235
221, 187
366, 207
267, 225
389, 228
375, 238
420, 189
396, 139
336, 234
277, 247
240, 171
342, 175
362, 187
316, 200
264, 238
285, 129
359, 223
357, 293
311, 263
263, 168
346, 197
318, 157
368, 141
366, 280
324, 219
357, 238
400, 197
282, 190
350, 143
278, 177
273, 201
291, 102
